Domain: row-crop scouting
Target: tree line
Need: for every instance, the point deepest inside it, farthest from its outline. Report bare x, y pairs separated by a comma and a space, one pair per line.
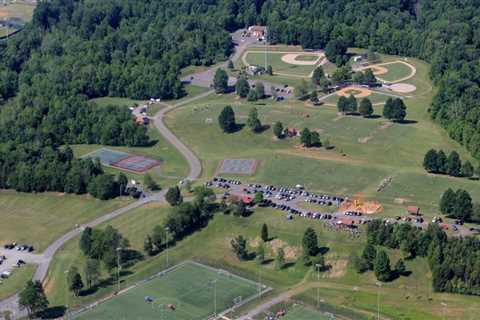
438, 162
454, 262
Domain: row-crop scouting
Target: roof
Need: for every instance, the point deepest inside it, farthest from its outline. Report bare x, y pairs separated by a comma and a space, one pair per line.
413, 209
247, 199
345, 221
257, 28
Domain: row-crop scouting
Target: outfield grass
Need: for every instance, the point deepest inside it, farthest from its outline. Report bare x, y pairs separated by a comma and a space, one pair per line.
343, 291
299, 312
375, 98
275, 60
395, 72
38, 219
190, 287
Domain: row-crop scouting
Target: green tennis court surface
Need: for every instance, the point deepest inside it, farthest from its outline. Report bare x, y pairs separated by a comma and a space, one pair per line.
299, 312
185, 293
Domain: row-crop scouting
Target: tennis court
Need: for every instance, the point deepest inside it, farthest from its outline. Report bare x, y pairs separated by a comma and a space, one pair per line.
237, 166
189, 291
123, 160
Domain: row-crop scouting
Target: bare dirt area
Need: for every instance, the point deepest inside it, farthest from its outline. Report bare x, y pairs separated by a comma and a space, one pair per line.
403, 87
338, 268
358, 92
291, 58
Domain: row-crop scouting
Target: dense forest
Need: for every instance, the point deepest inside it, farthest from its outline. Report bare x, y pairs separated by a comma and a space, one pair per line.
454, 262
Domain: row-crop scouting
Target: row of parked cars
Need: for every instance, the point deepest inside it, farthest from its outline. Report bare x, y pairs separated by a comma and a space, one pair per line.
23, 247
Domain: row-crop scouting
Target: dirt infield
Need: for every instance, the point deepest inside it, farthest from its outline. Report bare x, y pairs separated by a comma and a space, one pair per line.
381, 69
291, 58
403, 87
358, 92
378, 70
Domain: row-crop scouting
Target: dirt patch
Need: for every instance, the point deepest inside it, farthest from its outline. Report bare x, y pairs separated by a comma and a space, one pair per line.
400, 200
386, 125
291, 252
365, 139
403, 87
338, 117
338, 268
254, 243
358, 92
291, 58
319, 154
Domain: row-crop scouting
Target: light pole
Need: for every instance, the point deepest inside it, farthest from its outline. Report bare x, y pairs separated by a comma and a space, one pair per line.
317, 268
118, 268
66, 294
215, 297
167, 229
444, 305
378, 299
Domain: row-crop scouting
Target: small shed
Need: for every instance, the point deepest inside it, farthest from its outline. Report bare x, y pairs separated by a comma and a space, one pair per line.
413, 210
246, 199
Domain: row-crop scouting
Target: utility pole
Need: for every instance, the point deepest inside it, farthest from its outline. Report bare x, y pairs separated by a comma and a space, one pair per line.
215, 297
118, 268
317, 268
66, 295
167, 229
378, 299
266, 47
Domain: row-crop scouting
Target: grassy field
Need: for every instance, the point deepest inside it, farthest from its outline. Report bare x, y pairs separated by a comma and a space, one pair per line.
190, 287
38, 219
275, 60
375, 98
19, 9
366, 150
405, 298
299, 312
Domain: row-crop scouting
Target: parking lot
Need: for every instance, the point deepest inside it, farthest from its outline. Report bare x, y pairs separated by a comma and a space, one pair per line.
15, 256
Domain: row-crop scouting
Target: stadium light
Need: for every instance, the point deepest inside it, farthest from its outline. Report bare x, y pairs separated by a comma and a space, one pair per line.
317, 267
379, 285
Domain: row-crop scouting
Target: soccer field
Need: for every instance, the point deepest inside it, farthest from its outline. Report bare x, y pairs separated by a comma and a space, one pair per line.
190, 288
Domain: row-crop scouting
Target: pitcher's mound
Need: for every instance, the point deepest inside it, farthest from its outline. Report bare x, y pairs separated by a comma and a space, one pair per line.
403, 87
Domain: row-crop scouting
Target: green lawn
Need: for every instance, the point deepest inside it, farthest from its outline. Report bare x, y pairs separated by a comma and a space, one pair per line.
116, 101
190, 287
299, 312
375, 98
275, 60
38, 219
20, 9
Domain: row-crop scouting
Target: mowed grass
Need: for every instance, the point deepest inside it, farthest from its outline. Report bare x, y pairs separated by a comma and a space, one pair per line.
375, 97
342, 290
19, 9
299, 312
366, 150
396, 71
16, 281
38, 219
275, 60
195, 291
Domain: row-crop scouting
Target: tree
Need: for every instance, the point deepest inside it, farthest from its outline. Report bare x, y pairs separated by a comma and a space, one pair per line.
260, 90
318, 75
122, 182
441, 162
382, 266
336, 51
430, 161
230, 64
226, 120
242, 88
467, 169
239, 247
358, 263
395, 109
159, 237
358, 77
314, 97
369, 255
400, 268
352, 103
278, 129
301, 90
310, 242
342, 104
264, 233
448, 201
86, 241
150, 183
280, 259
174, 196
315, 139
366, 108
463, 207
92, 272
369, 77
220, 81
75, 283
252, 95
454, 164
258, 198
269, 70
260, 256
33, 298
148, 245
477, 171
306, 138
253, 122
